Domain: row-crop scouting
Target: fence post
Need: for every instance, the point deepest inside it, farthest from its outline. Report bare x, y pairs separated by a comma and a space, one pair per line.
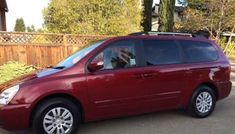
65, 45
65, 41
22, 53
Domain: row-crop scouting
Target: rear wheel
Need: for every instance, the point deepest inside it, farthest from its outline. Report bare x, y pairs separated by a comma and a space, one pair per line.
202, 102
57, 116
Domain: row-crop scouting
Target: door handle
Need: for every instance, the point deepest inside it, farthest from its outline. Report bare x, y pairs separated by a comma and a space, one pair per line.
148, 75
137, 76
144, 75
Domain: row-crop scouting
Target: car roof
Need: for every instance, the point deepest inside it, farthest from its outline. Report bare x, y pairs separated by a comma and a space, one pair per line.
163, 37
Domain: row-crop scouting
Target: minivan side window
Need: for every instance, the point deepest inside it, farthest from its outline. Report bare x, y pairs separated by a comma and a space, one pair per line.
196, 51
118, 55
161, 52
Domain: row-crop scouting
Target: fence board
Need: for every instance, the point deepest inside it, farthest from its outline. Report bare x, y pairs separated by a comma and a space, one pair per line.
40, 50
40, 56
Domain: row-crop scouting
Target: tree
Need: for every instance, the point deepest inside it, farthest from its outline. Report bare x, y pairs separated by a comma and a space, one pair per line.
19, 26
93, 16
166, 15
147, 15
31, 28
214, 16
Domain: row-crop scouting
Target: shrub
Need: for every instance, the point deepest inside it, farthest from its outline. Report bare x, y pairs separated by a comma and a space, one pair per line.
12, 70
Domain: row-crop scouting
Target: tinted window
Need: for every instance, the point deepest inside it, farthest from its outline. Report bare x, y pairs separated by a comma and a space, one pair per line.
118, 55
199, 51
159, 52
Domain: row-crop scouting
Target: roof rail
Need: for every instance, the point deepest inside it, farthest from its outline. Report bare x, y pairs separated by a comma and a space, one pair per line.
161, 33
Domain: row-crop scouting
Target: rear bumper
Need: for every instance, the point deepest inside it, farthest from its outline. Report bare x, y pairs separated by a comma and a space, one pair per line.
14, 117
224, 89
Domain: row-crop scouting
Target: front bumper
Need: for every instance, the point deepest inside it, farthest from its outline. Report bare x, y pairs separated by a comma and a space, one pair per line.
15, 117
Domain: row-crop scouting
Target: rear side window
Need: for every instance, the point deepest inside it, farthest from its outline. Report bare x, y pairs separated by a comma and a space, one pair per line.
198, 51
161, 52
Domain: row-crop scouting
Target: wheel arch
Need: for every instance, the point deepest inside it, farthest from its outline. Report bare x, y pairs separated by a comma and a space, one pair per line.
57, 95
190, 95
212, 86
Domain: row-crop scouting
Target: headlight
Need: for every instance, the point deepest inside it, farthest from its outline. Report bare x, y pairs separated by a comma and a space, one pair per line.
7, 95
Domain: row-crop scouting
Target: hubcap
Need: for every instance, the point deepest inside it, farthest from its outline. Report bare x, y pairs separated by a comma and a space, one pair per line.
204, 102
58, 121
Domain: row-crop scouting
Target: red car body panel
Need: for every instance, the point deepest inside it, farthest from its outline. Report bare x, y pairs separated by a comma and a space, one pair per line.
121, 92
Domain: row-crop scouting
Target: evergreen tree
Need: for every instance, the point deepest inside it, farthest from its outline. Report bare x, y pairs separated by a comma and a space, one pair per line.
31, 28
166, 15
147, 15
19, 26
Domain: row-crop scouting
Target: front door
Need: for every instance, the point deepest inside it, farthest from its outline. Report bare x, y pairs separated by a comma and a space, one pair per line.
118, 88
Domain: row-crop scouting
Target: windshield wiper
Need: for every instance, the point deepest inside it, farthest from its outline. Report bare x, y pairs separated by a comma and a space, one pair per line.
57, 67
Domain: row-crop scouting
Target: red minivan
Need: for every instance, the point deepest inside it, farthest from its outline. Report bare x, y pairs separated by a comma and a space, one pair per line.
116, 77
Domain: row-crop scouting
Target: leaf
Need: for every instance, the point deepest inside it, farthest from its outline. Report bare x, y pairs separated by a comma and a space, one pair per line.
12, 70
102, 17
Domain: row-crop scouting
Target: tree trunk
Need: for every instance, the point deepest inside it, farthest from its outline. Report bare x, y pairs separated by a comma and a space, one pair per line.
147, 15
166, 15
218, 32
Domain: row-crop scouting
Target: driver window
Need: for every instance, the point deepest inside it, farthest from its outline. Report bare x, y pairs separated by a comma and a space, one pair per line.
118, 55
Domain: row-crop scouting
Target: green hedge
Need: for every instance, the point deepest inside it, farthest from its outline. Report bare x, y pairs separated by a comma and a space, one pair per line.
12, 70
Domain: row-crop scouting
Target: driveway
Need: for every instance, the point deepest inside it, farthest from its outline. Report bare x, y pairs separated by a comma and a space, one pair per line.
222, 121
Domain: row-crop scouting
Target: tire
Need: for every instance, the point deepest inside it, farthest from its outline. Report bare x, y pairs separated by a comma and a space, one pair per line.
46, 118
202, 103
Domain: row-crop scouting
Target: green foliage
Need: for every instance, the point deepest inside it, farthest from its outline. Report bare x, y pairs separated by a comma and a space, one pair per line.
197, 4
147, 15
31, 28
166, 15
102, 17
192, 22
215, 16
13, 69
227, 47
19, 26
222, 43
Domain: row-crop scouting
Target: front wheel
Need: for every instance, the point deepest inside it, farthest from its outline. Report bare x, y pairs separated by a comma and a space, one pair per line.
202, 102
57, 116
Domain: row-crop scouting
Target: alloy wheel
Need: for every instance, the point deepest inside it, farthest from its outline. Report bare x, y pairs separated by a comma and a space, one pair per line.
58, 121
204, 102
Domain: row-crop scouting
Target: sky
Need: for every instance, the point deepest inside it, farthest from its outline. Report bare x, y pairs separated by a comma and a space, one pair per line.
29, 10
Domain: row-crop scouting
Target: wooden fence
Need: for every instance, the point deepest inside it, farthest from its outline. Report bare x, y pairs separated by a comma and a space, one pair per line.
40, 50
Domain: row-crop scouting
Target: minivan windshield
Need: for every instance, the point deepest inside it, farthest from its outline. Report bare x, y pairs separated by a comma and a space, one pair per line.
77, 56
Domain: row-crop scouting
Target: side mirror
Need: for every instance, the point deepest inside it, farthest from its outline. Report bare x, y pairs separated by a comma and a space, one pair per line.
95, 65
